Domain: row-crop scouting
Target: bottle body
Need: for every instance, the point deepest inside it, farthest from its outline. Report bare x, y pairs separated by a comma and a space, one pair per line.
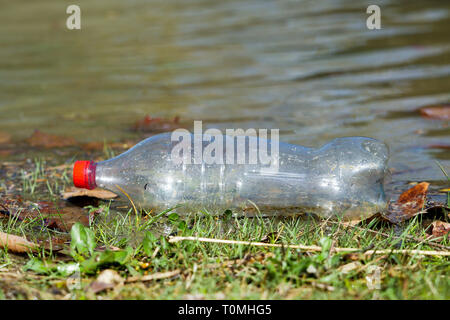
344, 177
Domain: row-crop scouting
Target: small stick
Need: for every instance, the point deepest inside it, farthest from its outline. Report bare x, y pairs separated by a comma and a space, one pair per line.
310, 248
155, 276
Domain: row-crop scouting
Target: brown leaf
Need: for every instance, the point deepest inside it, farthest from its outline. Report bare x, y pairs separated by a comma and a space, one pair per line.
441, 112
439, 229
9, 206
55, 243
46, 140
409, 204
95, 193
62, 217
59, 216
149, 124
16, 244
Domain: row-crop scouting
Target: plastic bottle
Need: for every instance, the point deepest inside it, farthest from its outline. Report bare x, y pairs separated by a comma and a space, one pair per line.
345, 177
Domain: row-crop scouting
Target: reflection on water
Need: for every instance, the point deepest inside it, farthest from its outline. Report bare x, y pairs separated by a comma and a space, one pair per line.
310, 68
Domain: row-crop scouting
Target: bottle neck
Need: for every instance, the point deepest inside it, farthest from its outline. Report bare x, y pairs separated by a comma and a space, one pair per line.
106, 176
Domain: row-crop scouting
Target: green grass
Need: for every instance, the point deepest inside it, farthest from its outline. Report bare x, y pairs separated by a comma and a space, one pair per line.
265, 273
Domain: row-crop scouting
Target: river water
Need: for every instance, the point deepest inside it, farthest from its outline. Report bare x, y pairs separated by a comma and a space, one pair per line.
310, 68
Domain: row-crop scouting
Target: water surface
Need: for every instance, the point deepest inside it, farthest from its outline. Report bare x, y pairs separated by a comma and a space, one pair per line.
310, 68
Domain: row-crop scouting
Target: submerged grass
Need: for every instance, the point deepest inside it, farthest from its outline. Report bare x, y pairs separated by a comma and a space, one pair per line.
216, 270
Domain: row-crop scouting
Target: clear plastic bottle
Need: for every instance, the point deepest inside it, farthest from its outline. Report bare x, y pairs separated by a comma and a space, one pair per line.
345, 177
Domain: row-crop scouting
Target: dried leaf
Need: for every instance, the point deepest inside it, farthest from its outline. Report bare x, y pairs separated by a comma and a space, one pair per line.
46, 140
16, 244
95, 193
59, 215
439, 229
441, 112
409, 204
107, 279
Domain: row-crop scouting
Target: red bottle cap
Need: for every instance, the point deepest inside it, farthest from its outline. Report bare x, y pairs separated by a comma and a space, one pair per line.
84, 174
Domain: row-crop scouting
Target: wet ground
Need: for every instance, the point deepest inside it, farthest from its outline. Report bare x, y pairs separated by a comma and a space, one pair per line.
310, 68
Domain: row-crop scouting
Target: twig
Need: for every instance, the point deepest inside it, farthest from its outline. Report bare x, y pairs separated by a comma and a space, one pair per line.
310, 248
155, 276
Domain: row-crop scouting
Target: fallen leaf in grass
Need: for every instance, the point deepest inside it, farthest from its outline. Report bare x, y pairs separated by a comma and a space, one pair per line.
409, 204
439, 229
4, 137
9, 206
107, 279
441, 112
59, 215
149, 124
54, 243
16, 244
436, 211
95, 193
46, 140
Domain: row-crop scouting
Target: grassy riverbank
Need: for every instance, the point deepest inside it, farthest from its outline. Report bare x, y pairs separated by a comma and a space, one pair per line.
147, 266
